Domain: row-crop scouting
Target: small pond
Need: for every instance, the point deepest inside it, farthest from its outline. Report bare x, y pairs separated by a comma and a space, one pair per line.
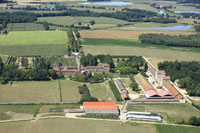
107, 3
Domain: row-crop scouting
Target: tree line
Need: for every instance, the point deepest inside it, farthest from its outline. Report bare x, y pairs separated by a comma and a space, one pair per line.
187, 73
186, 1
167, 40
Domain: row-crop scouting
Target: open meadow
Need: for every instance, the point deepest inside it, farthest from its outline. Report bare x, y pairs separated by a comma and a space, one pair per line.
25, 43
149, 52
102, 91
171, 112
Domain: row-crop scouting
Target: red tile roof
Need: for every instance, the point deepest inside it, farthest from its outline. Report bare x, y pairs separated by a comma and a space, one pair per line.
172, 89
100, 105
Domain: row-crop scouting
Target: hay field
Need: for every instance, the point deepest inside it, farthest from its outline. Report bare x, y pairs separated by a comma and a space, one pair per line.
114, 34
102, 91
30, 91
171, 112
68, 20
163, 54
25, 43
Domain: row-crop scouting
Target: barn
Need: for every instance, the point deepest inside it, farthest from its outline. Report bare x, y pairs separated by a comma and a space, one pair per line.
101, 108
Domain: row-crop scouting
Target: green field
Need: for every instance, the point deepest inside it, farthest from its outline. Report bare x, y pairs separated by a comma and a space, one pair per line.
24, 43
63, 125
171, 112
149, 52
68, 20
102, 91
24, 27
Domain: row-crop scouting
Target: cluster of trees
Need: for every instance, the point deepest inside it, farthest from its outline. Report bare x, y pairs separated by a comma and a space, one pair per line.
40, 72
194, 121
180, 41
16, 17
197, 28
74, 43
187, 73
85, 94
163, 20
131, 65
89, 60
95, 78
106, 59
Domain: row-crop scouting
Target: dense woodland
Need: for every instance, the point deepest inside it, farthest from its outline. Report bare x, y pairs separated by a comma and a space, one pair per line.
187, 73
186, 1
73, 44
179, 41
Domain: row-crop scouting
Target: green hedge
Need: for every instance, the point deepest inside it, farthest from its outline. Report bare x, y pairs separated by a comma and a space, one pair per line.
115, 91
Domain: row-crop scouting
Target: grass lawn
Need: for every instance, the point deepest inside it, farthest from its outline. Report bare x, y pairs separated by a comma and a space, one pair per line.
24, 27
23, 43
172, 53
70, 91
68, 20
102, 91
126, 82
171, 112
30, 91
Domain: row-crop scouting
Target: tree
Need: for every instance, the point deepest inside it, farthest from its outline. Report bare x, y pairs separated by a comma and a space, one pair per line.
134, 86
53, 74
194, 121
1, 66
89, 60
46, 25
97, 78
92, 22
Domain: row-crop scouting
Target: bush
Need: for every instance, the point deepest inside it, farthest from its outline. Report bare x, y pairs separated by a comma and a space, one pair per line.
115, 91
86, 96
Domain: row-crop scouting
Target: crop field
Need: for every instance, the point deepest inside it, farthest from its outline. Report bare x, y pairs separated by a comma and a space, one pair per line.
149, 52
68, 20
62, 125
102, 91
22, 43
171, 112
113, 34
24, 27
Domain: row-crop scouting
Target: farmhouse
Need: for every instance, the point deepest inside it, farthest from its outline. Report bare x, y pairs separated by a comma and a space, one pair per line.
67, 70
101, 108
92, 69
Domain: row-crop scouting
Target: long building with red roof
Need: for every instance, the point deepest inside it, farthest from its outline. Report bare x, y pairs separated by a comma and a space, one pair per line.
101, 108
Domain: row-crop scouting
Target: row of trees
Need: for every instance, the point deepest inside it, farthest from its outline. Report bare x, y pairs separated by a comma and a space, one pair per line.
85, 94
74, 43
186, 1
95, 78
179, 41
187, 73
193, 15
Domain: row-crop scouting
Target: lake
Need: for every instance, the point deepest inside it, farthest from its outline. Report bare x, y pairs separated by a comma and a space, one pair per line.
178, 12
175, 28
107, 3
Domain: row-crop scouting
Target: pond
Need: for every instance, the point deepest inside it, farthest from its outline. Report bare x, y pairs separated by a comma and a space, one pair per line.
107, 3
175, 28
178, 12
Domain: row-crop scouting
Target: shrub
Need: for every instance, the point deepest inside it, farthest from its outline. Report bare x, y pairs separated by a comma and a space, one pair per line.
115, 91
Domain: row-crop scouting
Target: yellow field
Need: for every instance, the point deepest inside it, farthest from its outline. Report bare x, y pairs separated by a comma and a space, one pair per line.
125, 34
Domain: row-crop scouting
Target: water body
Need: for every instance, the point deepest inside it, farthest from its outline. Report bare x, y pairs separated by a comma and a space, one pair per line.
178, 12
107, 3
175, 28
